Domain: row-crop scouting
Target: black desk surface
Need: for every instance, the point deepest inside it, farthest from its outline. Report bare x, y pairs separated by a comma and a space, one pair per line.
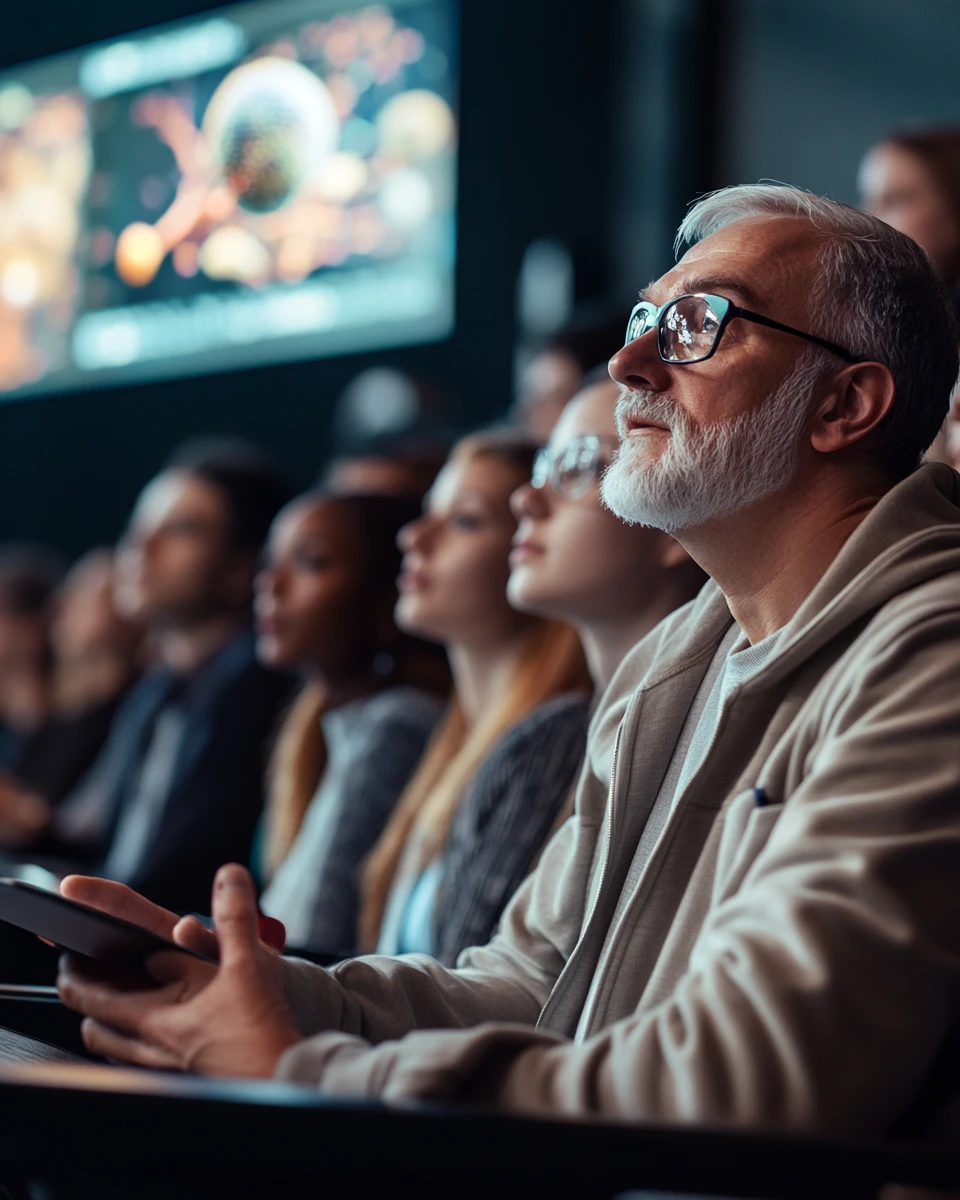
90, 1130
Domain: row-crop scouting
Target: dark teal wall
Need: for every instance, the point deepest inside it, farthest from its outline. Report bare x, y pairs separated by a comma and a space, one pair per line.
594, 122
812, 85
716, 92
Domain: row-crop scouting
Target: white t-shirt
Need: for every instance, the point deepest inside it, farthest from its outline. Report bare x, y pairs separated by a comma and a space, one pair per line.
733, 662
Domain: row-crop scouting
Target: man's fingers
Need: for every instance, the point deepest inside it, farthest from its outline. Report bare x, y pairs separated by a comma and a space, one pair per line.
188, 974
193, 935
119, 901
235, 915
110, 1000
110, 1043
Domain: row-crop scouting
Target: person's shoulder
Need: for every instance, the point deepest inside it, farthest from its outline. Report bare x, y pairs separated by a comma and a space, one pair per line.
926, 613
674, 639
243, 683
562, 719
569, 708
390, 727
143, 693
401, 707
537, 757
933, 597
690, 632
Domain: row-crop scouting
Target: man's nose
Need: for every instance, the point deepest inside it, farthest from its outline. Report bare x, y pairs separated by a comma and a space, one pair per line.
639, 367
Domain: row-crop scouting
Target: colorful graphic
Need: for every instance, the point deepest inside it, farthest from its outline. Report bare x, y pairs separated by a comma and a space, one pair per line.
272, 182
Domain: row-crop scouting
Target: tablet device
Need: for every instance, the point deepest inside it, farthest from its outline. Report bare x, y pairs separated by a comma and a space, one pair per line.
73, 926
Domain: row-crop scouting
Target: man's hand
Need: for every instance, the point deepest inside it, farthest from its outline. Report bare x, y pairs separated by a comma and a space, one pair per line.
23, 815
120, 901
230, 1019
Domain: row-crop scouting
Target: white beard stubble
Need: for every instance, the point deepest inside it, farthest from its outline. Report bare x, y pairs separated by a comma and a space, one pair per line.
714, 471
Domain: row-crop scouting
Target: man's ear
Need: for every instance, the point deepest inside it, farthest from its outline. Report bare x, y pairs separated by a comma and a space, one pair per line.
855, 403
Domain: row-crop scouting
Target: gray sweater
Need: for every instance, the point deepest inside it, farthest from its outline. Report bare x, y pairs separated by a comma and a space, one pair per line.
373, 746
504, 821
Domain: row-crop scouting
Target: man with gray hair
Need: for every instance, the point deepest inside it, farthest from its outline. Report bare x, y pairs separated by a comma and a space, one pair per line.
751, 917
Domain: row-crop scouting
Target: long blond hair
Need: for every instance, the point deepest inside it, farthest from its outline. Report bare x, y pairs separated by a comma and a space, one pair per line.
549, 663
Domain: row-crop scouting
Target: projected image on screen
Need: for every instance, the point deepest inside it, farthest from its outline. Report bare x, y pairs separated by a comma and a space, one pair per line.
273, 181
44, 169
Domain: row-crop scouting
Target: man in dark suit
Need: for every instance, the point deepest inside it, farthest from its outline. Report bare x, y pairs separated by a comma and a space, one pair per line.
178, 788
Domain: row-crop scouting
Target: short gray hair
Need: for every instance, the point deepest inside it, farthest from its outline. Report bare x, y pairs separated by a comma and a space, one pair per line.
876, 293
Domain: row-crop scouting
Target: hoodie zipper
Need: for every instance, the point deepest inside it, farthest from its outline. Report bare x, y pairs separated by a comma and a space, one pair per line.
570, 970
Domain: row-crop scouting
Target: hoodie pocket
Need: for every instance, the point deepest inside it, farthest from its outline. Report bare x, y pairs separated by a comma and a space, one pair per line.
746, 831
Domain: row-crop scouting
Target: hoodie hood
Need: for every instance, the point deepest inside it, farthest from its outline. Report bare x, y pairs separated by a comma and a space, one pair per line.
910, 537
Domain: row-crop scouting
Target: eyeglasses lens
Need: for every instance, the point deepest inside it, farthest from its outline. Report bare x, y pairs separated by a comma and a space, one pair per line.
577, 468
640, 323
688, 330
572, 471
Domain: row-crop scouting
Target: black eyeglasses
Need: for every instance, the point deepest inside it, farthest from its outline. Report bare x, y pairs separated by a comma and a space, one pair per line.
689, 327
572, 470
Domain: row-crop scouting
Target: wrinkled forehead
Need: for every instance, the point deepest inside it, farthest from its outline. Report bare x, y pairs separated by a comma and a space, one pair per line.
764, 263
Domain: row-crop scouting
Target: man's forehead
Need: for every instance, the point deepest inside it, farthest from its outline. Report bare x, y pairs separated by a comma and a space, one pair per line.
756, 260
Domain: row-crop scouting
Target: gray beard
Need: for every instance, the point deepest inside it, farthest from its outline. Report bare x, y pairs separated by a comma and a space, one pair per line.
717, 470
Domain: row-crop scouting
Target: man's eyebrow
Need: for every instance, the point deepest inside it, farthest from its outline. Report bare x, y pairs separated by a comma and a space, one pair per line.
710, 283
644, 294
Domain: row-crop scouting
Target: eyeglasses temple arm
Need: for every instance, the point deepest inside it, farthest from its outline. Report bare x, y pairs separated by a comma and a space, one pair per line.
809, 337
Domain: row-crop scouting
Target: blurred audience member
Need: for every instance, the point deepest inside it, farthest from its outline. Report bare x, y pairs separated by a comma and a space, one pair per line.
177, 789
29, 576
517, 722
388, 466
96, 658
356, 731
951, 432
912, 181
97, 649
391, 434
572, 560
558, 369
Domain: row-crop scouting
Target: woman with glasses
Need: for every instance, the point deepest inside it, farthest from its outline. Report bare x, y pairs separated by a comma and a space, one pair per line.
574, 561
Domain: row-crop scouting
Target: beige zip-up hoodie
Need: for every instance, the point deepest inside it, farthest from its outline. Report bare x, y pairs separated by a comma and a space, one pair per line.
790, 956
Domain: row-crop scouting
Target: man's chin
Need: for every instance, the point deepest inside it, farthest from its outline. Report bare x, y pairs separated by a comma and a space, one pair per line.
621, 483
630, 490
